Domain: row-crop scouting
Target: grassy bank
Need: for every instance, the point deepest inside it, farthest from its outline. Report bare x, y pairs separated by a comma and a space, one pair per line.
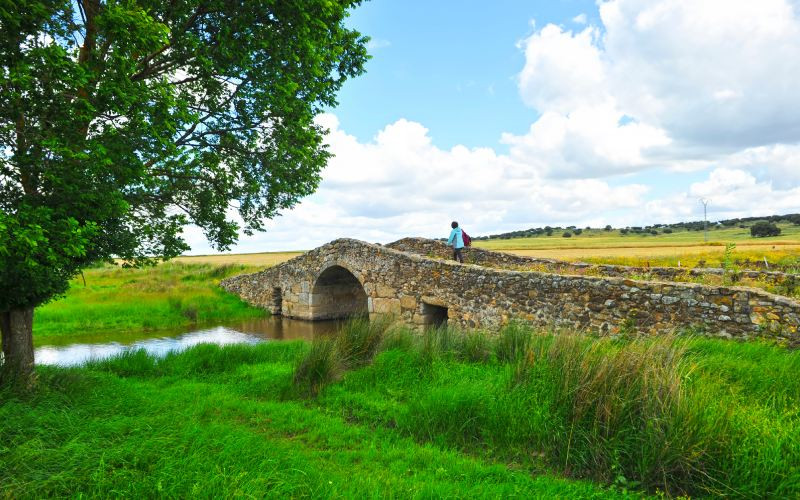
391, 414
117, 300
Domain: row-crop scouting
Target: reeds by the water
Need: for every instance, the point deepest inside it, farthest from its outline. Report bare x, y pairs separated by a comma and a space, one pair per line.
641, 413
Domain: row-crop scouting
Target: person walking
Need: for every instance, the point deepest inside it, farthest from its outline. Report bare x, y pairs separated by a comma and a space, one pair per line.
456, 240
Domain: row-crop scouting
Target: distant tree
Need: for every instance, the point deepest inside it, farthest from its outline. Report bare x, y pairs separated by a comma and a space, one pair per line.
567, 234
578, 231
667, 230
608, 227
763, 228
653, 232
123, 121
548, 231
624, 230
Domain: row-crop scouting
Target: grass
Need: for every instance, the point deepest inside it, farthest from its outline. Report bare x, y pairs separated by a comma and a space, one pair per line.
211, 422
526, 413
117, 300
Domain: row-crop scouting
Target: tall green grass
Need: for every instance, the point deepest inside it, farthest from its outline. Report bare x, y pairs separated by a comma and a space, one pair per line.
116, 299
662, 414
214, 422
440, 413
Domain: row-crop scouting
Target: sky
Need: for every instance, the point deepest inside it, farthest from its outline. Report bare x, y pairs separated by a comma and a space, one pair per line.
509, 115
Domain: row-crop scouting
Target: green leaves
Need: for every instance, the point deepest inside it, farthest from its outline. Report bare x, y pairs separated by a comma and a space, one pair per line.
121, 121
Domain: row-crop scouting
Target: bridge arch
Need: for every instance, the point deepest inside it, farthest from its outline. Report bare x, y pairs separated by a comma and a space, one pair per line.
337, 293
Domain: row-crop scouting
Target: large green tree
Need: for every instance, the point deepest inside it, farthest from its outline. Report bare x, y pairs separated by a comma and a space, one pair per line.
122, 121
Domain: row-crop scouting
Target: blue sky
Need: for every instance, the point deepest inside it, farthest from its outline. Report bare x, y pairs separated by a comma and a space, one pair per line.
449, 65
514, 114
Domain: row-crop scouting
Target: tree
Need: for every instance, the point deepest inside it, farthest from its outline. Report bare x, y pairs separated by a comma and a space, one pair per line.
763, 228
123, 121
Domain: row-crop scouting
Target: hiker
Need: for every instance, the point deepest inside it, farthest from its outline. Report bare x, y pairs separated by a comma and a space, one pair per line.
456, 239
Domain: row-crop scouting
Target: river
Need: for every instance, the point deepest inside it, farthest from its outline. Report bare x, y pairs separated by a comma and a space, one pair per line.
76, 350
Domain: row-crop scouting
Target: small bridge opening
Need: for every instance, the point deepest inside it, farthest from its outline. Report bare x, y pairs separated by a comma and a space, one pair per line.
337, 294
434, 316
277, 300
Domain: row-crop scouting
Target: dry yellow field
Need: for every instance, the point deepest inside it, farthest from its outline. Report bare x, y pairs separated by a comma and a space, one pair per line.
266, 259
690, 253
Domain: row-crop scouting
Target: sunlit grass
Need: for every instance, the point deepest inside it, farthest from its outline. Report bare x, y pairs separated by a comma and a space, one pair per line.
121, 300
440, 414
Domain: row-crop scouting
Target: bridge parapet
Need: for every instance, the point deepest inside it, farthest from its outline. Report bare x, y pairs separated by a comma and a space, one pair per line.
328, 282
504, 260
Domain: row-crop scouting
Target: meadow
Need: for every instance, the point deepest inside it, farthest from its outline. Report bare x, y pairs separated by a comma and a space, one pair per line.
114, 300
379, 412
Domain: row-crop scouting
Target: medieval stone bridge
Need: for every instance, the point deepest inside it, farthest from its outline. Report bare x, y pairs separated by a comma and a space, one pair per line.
412, 280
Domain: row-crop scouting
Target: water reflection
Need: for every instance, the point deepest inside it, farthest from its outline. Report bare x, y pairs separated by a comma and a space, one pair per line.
77, 350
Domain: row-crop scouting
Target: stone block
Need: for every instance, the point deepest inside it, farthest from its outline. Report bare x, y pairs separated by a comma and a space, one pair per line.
408, 302
386, 306
385, 291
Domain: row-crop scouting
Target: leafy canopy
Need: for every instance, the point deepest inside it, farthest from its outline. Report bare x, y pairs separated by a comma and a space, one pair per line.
121, 121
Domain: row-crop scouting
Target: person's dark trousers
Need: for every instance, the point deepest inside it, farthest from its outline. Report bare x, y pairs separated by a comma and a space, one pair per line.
457, 255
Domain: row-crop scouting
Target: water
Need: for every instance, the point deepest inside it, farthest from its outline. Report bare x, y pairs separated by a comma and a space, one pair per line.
76, 350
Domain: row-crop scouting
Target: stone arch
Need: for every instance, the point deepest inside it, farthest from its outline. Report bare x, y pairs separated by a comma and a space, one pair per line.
337, 293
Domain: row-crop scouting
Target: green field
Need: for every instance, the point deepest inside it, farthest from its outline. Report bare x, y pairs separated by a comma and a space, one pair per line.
450, 415
116, 300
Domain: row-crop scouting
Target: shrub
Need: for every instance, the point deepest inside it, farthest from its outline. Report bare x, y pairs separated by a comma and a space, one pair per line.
607, 228
624, 230
762, 229
578, 231
667, 230
567, 234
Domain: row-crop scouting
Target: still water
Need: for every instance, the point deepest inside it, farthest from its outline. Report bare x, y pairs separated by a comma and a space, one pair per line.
76, 350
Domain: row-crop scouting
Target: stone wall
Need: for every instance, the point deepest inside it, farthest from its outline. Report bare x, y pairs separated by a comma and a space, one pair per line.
417, 289
503, 260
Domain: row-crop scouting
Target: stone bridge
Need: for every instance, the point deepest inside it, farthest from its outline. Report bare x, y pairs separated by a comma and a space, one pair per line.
411, 280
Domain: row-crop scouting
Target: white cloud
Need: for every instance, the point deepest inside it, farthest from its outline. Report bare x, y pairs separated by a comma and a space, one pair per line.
400, 184
579, 19
377, 43
670, 87
671, 83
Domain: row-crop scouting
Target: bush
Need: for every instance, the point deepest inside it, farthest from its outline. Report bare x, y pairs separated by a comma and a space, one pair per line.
607, 228
762, 229
567, 234
578, 231
624, 230
667, 230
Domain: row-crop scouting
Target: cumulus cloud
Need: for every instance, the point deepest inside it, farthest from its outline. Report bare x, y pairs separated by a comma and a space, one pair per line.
672, 83
664, 87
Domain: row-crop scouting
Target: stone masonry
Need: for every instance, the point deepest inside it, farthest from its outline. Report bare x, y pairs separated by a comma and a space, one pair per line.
502, 260
347, 277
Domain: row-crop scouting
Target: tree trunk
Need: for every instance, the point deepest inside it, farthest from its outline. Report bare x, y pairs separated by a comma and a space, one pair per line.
16, 327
